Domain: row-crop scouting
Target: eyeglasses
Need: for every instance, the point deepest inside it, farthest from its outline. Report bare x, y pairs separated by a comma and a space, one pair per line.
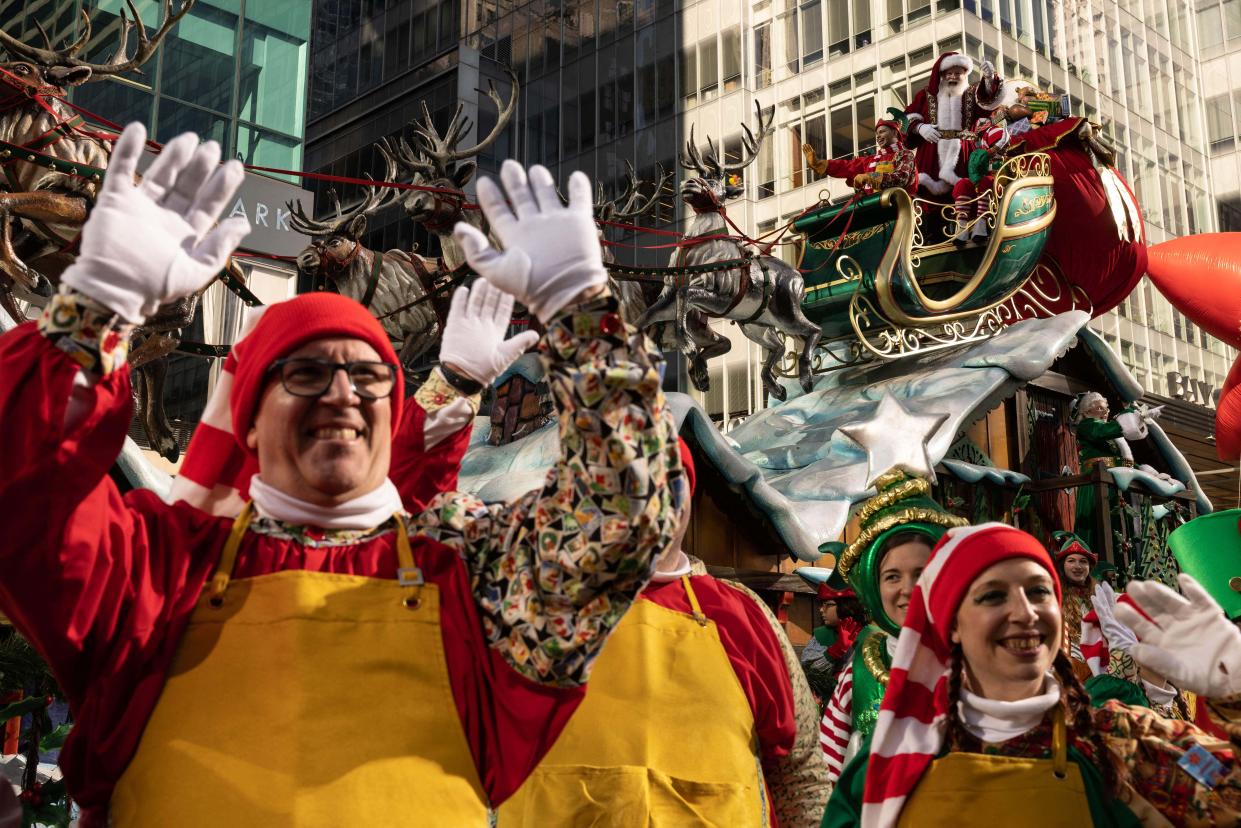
305, 377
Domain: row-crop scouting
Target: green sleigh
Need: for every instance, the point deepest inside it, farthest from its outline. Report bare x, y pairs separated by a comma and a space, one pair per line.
883, 278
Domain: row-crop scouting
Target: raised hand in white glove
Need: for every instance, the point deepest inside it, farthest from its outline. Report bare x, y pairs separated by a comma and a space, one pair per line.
987, 68
1191, 642
149, 243
551, 252
473, 342
1132, 425
1119, 637
928, 132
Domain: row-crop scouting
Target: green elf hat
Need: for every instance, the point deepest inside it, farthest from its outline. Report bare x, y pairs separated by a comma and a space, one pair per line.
1067, 543
1209, 549
903, 504
896, 119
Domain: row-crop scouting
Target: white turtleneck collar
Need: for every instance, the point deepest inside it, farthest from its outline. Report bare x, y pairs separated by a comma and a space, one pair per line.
999, 721
364, 512
679, 567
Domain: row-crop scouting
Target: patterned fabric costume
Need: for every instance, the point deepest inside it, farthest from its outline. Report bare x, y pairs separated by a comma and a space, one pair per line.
104, 584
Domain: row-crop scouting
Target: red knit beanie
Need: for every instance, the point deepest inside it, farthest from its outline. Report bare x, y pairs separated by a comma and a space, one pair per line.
687, 460
285, 327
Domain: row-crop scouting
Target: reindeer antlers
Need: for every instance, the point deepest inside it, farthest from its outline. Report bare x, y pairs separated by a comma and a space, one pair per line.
710, 166
376, 198
119, 62
433, 153
631, 203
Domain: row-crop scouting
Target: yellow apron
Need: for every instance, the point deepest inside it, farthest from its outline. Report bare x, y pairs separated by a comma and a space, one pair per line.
664, 737
305, 699
964, 790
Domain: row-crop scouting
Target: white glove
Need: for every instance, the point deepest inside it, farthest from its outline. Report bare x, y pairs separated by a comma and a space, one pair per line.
1191, 643
473, 338
1132, 425
551, 252
928, 132
149, 243
987, 68
1119, 637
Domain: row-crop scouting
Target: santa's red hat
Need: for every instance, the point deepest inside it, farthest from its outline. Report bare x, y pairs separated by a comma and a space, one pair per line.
914, 716
946, 61
215, 475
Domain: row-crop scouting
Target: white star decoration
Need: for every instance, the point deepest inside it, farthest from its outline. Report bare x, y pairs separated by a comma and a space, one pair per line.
895, 438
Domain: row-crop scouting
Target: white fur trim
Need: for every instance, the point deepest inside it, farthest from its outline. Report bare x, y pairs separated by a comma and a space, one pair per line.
956, 62
914, 117
949, 151
933, 185
948, 110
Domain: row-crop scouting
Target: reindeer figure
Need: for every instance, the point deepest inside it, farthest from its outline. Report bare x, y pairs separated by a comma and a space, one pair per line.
436, 160
629, 205
48, 190
764, 296
43, 203
384, 282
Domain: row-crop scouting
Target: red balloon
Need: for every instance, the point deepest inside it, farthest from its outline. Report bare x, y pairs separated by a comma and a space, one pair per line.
1201, 276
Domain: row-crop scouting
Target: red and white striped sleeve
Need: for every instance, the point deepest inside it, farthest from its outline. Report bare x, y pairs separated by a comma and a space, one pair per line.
837, 724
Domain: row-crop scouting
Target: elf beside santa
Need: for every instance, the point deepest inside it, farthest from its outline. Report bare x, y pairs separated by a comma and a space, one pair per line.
940, 115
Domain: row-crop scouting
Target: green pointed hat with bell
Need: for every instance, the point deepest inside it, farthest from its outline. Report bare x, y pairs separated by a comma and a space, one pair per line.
1209, 549
903, 504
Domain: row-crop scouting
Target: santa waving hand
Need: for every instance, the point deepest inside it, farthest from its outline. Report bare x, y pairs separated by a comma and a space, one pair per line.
940, 114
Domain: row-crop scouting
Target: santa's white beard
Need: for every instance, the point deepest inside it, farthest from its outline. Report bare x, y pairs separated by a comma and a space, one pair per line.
954, 87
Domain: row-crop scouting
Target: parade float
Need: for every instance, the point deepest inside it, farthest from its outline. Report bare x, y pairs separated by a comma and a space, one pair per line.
966, 355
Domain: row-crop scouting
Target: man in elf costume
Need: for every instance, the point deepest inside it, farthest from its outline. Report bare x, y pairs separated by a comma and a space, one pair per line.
898, 528
324, 659
1074, 562
696, 715
975, 195
891, 165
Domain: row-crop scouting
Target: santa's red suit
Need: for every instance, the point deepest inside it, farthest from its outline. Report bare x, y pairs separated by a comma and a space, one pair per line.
942, 163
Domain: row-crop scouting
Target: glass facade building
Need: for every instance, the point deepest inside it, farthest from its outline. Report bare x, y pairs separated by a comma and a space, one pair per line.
231, 70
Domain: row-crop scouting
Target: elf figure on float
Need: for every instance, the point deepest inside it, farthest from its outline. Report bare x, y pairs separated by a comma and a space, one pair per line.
898, 528
940, 115
1102, 442
891, 165
1074, 562
975, 195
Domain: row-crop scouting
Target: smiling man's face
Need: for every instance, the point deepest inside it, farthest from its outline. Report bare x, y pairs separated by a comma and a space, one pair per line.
326, 449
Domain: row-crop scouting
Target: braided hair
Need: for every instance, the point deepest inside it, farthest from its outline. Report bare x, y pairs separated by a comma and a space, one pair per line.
1080, 720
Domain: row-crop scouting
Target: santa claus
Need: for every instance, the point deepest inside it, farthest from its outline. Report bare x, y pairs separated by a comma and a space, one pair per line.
940, 114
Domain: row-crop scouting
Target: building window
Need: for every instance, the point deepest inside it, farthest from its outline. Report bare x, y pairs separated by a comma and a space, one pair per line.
730, 47
1220, 131
762, 56
838, 27
689, 76
708, 67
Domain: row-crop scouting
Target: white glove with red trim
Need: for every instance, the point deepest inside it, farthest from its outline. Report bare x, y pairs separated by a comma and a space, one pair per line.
1191, 642
149, 243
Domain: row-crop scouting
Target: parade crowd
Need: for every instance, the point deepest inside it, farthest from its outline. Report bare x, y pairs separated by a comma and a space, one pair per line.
327, 633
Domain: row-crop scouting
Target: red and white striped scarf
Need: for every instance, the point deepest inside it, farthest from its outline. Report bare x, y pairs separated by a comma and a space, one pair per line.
215, 474
1095, 650
914, 716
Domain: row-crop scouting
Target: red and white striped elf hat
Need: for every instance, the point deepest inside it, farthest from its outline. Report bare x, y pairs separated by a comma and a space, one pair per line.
215, 474
914, 716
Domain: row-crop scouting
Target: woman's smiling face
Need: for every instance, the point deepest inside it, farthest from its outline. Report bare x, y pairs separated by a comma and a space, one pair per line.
1009, 627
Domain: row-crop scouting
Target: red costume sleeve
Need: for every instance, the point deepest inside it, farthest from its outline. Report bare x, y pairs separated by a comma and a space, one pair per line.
752, 650
917, 112
418, 473
847, 167
77, 576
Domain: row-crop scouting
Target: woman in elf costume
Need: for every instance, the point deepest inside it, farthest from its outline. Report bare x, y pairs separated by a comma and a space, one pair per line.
1074, 562
899, 526
984, 722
